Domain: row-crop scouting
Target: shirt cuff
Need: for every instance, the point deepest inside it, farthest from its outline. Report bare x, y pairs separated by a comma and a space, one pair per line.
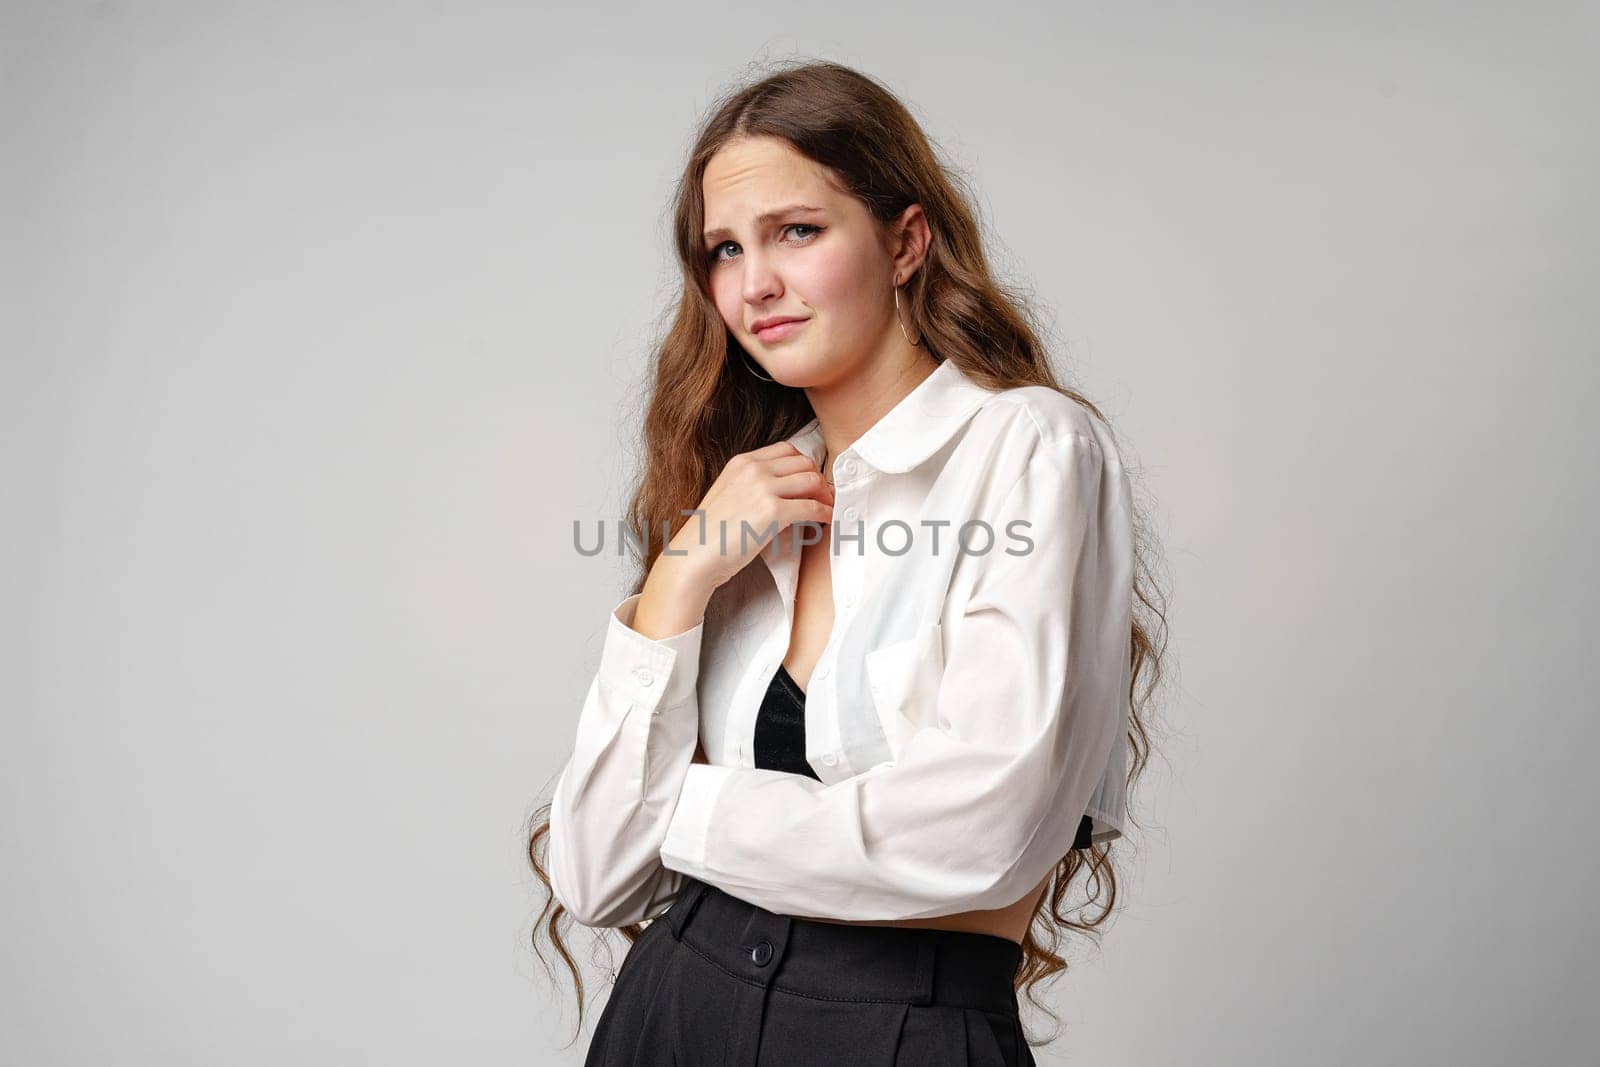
654, 673
684, 848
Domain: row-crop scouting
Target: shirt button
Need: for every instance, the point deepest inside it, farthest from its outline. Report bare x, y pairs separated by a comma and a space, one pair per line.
761, 955
822, 671
850, 513
849, 466
644, 677
830, 759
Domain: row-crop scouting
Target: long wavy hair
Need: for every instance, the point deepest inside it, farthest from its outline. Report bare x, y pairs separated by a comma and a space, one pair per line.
704, 408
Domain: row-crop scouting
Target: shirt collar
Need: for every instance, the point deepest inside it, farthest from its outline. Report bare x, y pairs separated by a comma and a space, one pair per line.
919, 424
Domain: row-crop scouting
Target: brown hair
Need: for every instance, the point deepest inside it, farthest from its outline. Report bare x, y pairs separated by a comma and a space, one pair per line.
704, 408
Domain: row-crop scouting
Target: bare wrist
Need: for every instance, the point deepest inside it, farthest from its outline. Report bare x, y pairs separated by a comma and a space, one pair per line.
672, 601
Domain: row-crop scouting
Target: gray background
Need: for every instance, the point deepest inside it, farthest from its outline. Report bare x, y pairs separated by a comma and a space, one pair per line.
321, 326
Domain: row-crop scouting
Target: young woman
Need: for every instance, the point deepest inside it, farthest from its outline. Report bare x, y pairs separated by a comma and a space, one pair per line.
857, 775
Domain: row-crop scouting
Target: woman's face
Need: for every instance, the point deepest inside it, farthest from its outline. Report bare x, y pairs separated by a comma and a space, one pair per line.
782, 241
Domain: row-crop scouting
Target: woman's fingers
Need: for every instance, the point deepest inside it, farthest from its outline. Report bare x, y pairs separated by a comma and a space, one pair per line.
803, 509
776, 450
797, 475
789, 464
805, 483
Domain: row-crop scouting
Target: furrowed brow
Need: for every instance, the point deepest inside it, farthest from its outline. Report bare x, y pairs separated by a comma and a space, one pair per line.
763, 218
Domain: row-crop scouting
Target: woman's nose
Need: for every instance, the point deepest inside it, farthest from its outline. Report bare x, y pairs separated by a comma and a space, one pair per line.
761, 281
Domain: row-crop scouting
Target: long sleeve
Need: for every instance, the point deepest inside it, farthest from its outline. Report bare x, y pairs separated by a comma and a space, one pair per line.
636, 736
979, 807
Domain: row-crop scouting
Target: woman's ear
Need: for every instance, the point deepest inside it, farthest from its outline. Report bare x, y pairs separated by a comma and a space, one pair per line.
910, 242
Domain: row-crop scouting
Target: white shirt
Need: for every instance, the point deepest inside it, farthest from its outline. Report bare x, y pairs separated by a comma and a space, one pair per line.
966, 712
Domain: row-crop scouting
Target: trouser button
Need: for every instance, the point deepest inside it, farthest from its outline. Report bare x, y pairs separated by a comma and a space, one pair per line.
761, 955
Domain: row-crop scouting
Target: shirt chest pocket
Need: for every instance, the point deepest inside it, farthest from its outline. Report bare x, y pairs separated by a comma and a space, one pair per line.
904, 680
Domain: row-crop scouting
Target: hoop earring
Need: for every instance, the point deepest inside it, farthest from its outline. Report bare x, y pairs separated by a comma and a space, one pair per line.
901, 321
747, 366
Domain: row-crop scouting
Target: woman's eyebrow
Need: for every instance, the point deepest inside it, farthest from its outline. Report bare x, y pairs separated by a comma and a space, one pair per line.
764, 217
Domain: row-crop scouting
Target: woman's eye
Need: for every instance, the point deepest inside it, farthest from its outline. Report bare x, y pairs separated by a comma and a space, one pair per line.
715, 258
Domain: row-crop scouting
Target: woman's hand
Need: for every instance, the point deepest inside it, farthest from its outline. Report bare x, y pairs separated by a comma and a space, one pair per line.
771, 489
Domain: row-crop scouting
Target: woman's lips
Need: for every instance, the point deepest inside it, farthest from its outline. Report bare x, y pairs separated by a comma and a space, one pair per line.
780, 331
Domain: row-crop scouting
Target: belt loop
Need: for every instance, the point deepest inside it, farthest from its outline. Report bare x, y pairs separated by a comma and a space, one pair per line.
678, 915
927, 952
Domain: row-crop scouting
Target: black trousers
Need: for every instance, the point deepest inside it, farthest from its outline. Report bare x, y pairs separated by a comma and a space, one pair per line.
719, 982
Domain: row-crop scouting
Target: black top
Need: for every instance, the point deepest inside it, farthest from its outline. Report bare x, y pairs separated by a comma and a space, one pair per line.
781, 727
781, 736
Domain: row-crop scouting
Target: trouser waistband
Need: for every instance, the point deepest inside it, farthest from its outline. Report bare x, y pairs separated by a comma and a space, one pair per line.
834, 961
